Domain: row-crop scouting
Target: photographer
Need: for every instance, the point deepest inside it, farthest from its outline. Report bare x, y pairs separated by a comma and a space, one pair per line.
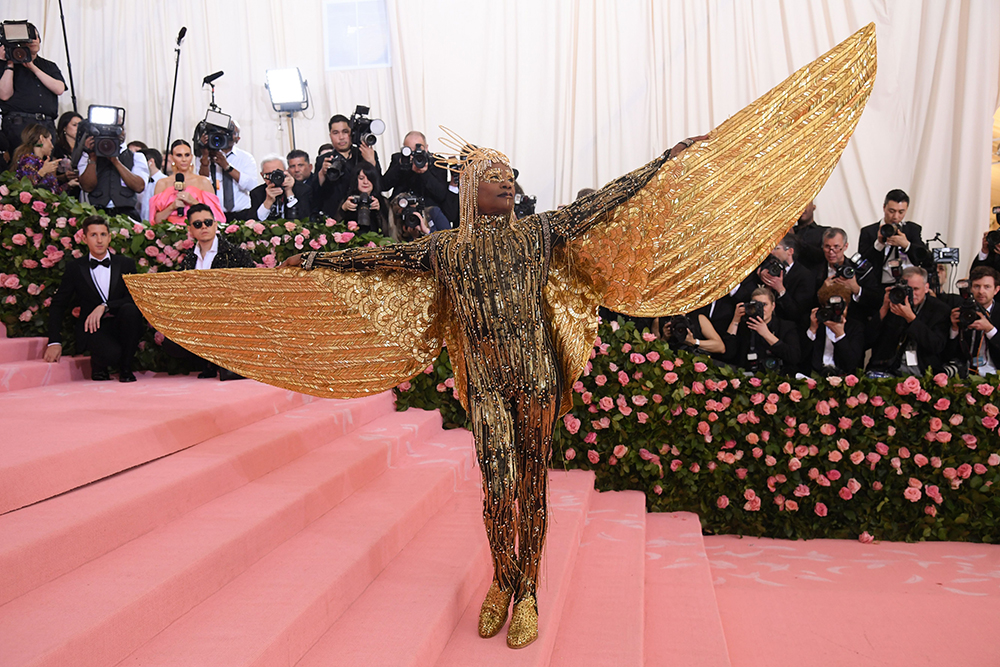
231, 171
410, 218
973, 340
893, 238
113, 184
334, 167
840, 349
363, 204
809, 235
693, 332
29, 92
989, 254
910, 332
305, 181
274, 199
793, 284
413, 170
838, 269
756, 340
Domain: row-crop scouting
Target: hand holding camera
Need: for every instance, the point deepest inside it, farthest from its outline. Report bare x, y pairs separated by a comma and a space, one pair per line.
899, 301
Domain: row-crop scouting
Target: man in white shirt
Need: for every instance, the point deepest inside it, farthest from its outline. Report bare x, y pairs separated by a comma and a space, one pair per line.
154, 160
975, 341
114, 183
233, 174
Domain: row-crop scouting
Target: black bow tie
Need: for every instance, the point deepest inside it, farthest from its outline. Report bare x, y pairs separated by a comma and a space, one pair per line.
106, 262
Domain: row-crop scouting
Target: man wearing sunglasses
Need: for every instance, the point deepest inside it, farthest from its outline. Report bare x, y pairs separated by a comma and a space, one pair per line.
210, 251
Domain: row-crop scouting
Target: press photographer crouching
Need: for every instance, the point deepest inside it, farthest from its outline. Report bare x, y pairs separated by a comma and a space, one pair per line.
363, 203
973, 340
412, 170
757, 341
910, 331
410, 218
275, 199
839, 348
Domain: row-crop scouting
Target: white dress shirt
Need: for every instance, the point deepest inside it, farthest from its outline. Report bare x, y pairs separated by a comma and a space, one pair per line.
205, 262
831, 338
147, 194
139, 166
244, 163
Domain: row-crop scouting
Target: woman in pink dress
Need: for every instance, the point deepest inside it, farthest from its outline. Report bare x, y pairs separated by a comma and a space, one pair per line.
168, 198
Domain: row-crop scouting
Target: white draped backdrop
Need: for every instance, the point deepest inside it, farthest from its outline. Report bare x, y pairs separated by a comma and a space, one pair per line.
576, 92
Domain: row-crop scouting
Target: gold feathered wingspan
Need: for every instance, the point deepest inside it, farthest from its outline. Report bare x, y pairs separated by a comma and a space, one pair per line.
675, 235
320, 332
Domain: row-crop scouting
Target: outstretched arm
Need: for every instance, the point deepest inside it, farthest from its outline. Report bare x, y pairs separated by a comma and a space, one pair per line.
414, 257
589, 210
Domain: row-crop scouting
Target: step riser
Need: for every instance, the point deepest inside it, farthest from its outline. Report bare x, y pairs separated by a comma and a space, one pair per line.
16, 376
21, 349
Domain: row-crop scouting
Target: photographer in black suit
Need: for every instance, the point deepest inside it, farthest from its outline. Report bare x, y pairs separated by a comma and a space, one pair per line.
974, 341
866, 294
989, 254
110, 324
836, 344
910, 332
793, 283
275, 199
413, 170
332, 184
758, 341
893, 238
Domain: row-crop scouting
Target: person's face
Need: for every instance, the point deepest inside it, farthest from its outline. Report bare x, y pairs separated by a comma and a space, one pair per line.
71, 127
97, 239
207, 231
834, 249
364, 185
35, 46
782, 253
299, 168
895, 211
983, 290
920, 288
496, 190
768, 306
807, 215
45, 145
340, 136
181, 155
269, 166
413, 140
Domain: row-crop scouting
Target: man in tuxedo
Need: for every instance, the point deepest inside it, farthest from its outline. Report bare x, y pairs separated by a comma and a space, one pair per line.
977, 345
794, 286
893, 239
909, 337
270, 201
834, 345
110, 324
866, 295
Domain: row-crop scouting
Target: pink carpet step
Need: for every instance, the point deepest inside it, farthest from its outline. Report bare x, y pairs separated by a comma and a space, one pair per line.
20, 375
103, 610
42, 541
59, 437
602, 623
278, 608
682, 621
21, 349
570, 494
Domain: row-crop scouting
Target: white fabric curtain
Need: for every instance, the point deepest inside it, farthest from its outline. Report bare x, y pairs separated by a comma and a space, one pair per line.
576, 92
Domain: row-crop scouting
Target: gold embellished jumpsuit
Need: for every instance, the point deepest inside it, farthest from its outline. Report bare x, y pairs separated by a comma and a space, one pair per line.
495, 283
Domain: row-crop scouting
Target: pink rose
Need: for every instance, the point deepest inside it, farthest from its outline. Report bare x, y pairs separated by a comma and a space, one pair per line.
994, 460
794, 464
620, 451
991, 410
653, 356
827, 429
823, 408
852, 402
867, 421
857, 457
590, 438
984, 389
891, 411
912, 494
572, 423
795, 395
853, 485
920, 460
670, 378
600, 380
722, 502
833, 475
865, 538
699, 367
752, 505
845, 493
834, 380
636, 358
965, 471
622, 378
593, 456
801, 491
877, 401
606, 403
882, 448
835, 456
935, 462
791, 506
25, 197
570, 454
990, 422
19, 239
820, 509
676, 465
942, 404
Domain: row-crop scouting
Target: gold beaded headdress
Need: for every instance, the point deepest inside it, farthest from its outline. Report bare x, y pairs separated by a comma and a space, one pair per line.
471, 162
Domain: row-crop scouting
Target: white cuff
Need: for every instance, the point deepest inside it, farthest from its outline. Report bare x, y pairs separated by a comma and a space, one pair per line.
810, 334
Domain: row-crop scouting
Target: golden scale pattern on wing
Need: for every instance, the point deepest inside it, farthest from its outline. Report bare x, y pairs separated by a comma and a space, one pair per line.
707, 218
320, 332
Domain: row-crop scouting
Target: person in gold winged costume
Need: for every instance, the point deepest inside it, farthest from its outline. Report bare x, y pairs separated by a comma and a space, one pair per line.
515, 301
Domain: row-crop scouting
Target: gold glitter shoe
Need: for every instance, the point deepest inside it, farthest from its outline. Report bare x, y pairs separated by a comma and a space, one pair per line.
524, 623
493, 613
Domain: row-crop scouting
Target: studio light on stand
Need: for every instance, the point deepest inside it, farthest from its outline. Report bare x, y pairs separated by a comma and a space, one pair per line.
289, 93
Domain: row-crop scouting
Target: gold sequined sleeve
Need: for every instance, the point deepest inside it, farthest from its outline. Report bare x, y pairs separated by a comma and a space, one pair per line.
413, 257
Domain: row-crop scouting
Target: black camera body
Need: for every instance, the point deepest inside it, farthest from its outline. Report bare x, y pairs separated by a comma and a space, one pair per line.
16, 38
889, 229
524, 206
337, 167
275, 178
362, 200
752, 309
993, 240
900, 293
679, 325
833, 311
969, 312
773, 265
365, 130
846, 271
409, 206
415, 159
215, 133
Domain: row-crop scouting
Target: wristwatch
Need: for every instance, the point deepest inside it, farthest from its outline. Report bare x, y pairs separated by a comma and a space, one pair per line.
229, 169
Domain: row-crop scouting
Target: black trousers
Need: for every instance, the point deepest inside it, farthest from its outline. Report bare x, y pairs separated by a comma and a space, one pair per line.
117, 339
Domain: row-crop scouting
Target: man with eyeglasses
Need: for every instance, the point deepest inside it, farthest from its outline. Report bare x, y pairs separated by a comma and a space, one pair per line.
210, 251
837, 270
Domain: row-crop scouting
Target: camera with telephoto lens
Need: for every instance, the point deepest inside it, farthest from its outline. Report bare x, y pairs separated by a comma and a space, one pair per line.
993, 240
365, 130
16, 38
889, 229
900, 293
337, 166
107, 126
413, 158
364, 203
773, 265
969, 310
275, 178
215, 133
524, 206
752, 309
833, 311
409, 207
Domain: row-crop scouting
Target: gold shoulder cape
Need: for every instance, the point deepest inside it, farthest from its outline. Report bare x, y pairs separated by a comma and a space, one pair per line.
690, 230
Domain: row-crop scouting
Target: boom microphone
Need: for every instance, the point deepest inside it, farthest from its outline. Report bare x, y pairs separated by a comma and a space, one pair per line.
180, 35
211, 78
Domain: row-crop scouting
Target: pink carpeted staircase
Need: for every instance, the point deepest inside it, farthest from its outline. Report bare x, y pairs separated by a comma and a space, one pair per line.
177, 521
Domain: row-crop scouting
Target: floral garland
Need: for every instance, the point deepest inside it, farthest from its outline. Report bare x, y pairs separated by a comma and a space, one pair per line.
765, 455
40, 235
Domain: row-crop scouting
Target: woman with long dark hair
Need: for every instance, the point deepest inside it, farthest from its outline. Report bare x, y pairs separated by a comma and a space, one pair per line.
184, 190
33, 158
371, 216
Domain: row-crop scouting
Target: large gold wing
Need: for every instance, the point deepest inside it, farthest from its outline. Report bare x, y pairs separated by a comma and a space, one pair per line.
320, 332
675, 235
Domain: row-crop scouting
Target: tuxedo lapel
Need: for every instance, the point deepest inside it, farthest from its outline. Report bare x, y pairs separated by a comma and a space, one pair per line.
87, 280
116, 274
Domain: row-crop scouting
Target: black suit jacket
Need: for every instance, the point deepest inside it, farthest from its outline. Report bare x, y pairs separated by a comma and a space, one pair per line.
229, 256
810, 250
259, 194
870, 300
800, 295
786, 349
77, 289
992, 260
964, 346
848, 352
929, 330
866, 245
